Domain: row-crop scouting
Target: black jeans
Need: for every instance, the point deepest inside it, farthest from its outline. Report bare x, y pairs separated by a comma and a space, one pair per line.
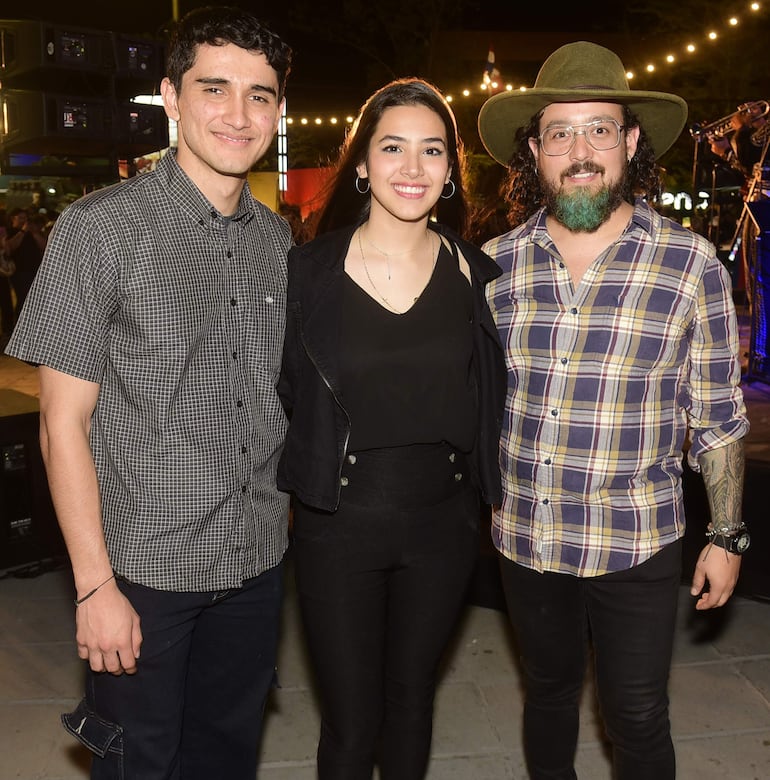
629, 619
381, 583
193, 710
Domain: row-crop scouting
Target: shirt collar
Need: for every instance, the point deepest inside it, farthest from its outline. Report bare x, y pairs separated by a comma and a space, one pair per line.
182, 189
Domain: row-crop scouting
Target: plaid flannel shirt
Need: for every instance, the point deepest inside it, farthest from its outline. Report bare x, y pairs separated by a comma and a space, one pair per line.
606, 383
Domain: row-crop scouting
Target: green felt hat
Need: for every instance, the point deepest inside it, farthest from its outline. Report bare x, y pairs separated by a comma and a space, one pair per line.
579, 72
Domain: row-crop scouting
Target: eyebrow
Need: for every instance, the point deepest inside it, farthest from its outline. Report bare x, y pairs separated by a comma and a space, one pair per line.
565, 123
254, 87
436, 140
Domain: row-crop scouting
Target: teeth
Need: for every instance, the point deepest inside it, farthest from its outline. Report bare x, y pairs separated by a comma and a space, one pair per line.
410, 190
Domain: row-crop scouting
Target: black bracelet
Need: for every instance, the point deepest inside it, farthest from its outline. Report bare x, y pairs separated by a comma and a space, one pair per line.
726, 532
88, 595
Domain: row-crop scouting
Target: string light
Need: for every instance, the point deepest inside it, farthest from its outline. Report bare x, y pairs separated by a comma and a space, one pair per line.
732, 22
484, 89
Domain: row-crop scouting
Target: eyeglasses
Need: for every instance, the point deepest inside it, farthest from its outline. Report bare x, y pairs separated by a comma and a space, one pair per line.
602, 135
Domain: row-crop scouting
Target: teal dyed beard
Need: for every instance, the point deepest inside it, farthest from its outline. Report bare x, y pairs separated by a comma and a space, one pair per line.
582, 211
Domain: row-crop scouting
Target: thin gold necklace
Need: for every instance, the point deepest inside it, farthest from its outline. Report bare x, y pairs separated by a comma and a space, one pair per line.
374, 286
387, 255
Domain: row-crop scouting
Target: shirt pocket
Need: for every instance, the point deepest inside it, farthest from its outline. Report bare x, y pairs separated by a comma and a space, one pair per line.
634, 340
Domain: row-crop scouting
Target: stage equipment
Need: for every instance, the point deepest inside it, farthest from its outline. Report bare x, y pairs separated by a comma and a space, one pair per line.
65, 99
29, 533
757, 250
722, 127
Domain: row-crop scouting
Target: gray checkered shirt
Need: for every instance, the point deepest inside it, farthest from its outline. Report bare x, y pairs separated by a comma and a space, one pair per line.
178, 314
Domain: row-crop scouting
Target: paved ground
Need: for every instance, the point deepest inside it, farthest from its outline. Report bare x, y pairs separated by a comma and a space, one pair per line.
720, 681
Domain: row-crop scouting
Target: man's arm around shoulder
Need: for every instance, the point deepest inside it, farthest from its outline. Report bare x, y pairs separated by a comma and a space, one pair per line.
108, 632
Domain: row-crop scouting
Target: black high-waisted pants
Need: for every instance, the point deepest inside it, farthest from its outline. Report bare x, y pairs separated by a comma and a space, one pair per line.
381, 583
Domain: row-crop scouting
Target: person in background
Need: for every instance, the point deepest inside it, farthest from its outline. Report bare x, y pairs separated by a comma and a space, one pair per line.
6, 300
157, 321
393, 378
621, 343
24, 246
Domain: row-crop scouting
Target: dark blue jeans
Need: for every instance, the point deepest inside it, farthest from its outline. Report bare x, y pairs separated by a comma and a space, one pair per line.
193, 710
628, 617
381, 583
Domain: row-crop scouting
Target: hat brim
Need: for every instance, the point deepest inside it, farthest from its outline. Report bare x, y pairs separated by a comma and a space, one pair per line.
662, 115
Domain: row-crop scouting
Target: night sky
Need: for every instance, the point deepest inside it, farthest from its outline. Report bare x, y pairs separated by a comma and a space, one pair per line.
320, 73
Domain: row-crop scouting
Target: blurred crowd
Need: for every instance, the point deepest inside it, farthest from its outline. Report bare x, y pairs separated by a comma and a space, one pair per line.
23, 236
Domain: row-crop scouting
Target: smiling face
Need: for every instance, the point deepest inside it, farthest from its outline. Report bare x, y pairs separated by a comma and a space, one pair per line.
584, 186
227, 113
407, 163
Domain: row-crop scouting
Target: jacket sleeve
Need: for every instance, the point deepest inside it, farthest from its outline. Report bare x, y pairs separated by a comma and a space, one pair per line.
290, 361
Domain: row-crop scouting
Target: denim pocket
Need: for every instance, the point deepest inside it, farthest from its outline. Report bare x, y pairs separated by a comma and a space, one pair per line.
98, 735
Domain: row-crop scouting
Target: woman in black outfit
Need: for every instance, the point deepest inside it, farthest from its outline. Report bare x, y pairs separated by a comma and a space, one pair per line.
394, 382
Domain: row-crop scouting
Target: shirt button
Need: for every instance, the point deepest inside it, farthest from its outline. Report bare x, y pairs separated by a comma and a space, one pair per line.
235, 356
239, 404
244, 449
546, 501
351, 459
243, 489
564, 361
458, 476
233, 301
269, 299
344, 481
554, 413
561, 265
452, 457
573, 310
547, 461
229, 253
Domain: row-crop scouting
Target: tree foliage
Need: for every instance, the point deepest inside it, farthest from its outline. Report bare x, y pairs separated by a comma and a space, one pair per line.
391, 39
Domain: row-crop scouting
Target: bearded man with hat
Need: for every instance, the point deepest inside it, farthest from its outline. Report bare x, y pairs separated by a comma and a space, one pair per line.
622, 351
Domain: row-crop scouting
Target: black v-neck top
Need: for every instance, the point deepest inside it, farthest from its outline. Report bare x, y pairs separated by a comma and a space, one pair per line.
407, 378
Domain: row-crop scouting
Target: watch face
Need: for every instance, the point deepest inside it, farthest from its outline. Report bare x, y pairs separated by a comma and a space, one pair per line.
742, 542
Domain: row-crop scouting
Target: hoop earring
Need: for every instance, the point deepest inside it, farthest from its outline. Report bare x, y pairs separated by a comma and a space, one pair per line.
454, 189
358, 187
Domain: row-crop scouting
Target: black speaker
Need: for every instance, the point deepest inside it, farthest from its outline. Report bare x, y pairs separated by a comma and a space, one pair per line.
140, 128
57, 124
36, 55
139, 65
29, 533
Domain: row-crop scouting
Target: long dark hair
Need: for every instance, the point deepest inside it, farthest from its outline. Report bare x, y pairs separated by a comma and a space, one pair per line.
342, 204
217, 26
524, 192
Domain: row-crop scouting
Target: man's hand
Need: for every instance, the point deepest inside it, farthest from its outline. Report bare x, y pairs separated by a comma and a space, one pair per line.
108, 633
719, 569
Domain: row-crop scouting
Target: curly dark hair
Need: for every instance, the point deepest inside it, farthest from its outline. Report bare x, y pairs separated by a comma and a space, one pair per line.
220, 25
342, 204
524, 192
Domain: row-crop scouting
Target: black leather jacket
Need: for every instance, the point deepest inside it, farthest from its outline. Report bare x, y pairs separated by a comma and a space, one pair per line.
319, 426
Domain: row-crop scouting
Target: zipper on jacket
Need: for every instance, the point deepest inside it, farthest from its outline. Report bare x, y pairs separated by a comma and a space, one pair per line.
344, 411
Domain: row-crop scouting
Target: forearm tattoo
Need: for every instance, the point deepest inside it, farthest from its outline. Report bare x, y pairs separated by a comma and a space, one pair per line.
722, 471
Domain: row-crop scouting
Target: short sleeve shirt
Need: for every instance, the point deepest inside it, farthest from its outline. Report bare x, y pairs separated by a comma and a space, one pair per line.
178, 314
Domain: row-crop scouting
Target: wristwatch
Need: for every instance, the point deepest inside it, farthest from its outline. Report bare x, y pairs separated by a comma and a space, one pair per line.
737, 544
